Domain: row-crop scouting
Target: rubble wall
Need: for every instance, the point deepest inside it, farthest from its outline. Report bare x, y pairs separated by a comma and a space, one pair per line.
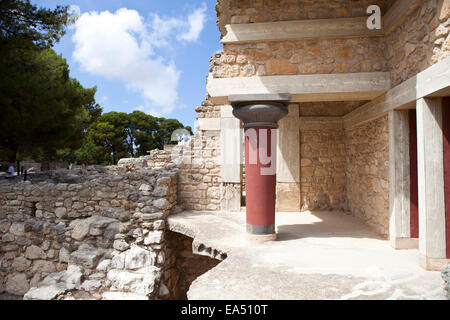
95, 232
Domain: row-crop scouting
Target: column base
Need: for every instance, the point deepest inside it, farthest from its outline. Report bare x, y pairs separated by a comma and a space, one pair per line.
261, 238
405, 243
260, 234
432, 264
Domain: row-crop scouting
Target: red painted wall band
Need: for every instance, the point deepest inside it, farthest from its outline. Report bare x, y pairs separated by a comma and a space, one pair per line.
414, 189
446, 136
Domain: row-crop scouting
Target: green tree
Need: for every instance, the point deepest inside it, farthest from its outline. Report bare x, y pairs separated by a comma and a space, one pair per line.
22, 23
89, 154
109, 134
142, 130
166, 128
43, 109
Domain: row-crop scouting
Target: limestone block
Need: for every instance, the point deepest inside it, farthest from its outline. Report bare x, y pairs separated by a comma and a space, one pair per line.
142, 282
20, 264
133, 259
43, 266
91, 285
104, 265
159, 225
8, 237
56, 284
4, 226
64, 255
162, 204
17, 284
81, 229
121, 245
17, 229
154, 237
87, 258
34, 252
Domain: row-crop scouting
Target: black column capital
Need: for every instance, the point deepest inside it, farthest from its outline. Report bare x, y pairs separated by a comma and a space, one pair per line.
260, 110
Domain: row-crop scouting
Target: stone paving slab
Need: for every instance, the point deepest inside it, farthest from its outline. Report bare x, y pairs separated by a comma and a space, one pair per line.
320, 255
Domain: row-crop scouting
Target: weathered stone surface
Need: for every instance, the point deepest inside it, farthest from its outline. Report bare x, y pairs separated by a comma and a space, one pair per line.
134, 259
142, 282
4, 226
446, 277
152, 216
162, 204
104, 265
17, 229
45, 239
56, 284
160, 191
35, 252
132, 163
159, 225
8, 237
280, 67
91, 285
111, 230
154, 237
64, 255
102, 222
446, 273
21, 264
43, 266
16, 284
81, 229
87, 258
121, 245
60, 212
46, 292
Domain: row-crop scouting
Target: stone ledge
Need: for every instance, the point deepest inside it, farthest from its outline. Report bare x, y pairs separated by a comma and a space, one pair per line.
313, 253
300, 29
304, 88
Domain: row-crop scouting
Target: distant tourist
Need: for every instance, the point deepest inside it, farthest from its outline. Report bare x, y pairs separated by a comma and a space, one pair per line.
10, 172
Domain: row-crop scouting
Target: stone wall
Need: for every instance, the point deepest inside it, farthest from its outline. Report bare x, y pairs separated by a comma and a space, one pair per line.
321, 56
322, 169
199, 181
87, 233
199, 178
251, 11
367, 172
420, 41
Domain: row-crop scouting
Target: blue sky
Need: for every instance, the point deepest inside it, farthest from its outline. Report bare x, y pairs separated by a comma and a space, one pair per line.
149, 55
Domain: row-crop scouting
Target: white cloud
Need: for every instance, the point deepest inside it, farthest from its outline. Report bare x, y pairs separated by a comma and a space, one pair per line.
122, 46
196, 23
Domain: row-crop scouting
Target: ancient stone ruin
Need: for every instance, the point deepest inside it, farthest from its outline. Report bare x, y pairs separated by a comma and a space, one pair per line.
96, 233
361, 127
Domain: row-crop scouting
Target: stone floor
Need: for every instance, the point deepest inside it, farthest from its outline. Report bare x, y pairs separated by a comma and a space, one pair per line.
320, 255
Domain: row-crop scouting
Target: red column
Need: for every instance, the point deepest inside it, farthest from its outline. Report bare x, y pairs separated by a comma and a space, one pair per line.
414, 189
446, 136
260, 186
260, 114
